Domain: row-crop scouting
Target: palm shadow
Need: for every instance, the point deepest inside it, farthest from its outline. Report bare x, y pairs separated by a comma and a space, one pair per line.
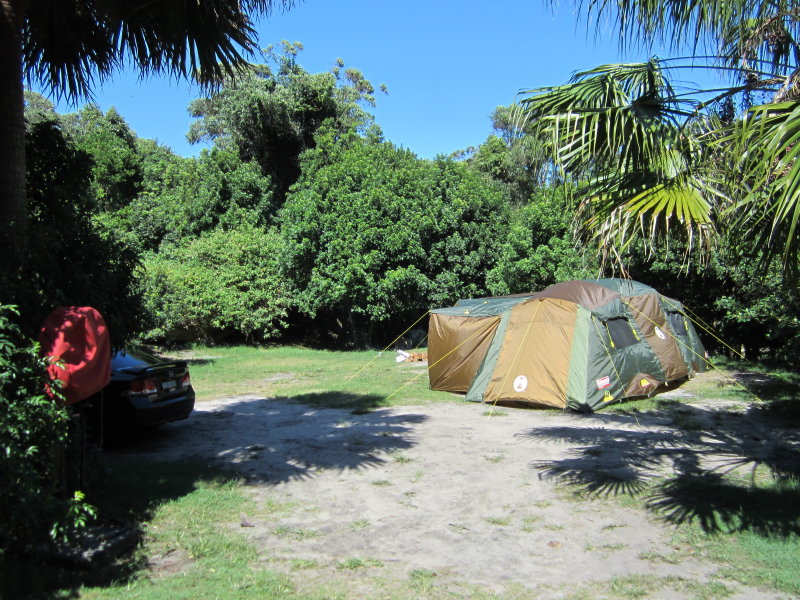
251, 439
689, 464
270, 441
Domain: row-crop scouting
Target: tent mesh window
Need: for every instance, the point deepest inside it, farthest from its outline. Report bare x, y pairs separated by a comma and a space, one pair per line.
621, 332
677, 323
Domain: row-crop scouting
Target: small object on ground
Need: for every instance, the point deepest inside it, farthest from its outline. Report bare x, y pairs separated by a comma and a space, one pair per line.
403, 356
245, 521
554, 544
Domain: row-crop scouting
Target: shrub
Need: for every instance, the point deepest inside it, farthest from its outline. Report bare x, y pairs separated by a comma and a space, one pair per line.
34, 433
223, 282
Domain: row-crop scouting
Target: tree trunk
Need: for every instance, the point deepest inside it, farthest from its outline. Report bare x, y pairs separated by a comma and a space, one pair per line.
13, 200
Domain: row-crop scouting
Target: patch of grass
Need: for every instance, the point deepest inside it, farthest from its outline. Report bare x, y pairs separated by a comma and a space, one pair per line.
360, 524
185, 510
298, 534
749, 526
495, 413
382, 482
304, 563
528, 523
276, 509
320, 378
401, 458
499, 521
604, 547
418, 475
421, 580
553, 527
495, 458
354, 563
712, 590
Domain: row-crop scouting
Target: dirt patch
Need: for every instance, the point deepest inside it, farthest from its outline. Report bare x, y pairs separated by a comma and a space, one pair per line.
463, 495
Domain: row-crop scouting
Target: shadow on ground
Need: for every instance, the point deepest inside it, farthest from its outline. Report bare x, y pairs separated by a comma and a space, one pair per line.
126, 493
722, 470
270, 441
259, 440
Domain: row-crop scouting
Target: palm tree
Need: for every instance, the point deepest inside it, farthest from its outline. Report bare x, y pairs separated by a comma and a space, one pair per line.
647, 156
68, 45
632, 146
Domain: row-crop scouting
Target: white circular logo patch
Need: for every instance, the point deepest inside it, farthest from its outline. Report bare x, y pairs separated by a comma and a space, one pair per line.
660, 333
520, 383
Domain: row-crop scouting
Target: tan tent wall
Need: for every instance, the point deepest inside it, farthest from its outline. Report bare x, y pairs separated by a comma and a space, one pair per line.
456, 348
647, 311
534, 360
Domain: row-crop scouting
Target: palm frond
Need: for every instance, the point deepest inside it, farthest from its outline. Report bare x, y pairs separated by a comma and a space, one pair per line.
764, 148
69, 44
622, 134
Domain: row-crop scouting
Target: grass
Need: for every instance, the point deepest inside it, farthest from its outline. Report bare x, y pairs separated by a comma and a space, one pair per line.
354, 563
184, 511
319, 378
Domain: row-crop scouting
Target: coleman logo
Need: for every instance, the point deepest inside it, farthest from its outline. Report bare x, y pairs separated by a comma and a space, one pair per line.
603, 382
520, 383
644, 383
660, 333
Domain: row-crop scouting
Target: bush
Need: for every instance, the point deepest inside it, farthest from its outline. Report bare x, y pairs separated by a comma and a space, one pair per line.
34, 433
221, 283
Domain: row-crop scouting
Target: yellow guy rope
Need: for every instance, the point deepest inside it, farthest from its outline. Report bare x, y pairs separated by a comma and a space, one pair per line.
516, 356
705, 327
407, 383
733, 379
357, 373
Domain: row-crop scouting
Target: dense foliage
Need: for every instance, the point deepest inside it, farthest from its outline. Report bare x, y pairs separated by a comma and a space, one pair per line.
223, 283
372, 232
271, 114
79, 261
301, 221
34, 433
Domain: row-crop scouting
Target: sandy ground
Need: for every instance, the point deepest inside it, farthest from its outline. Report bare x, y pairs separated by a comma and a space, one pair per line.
465, 494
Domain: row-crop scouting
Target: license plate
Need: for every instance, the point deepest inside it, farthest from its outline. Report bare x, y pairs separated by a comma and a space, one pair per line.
168, 385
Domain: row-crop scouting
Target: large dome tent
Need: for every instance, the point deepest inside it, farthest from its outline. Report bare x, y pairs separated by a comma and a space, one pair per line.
577, 344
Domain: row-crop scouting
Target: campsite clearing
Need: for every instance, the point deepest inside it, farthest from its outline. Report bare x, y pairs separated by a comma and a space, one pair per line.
454, 499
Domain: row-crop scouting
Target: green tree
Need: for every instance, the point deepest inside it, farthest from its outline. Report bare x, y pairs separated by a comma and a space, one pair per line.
68, 45
372, 233
270, 114
112, 144
183, 197
78, 260
539, 249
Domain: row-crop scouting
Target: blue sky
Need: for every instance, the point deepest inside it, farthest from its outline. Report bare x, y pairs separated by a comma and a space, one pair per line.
446, 64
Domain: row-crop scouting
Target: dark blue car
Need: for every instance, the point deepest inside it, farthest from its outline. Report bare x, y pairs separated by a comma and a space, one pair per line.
144, 392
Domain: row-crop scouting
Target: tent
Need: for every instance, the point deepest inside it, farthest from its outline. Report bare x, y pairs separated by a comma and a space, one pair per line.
577, 344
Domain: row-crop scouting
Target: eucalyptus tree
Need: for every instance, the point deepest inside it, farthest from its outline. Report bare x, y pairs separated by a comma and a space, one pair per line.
68, 45
650, 157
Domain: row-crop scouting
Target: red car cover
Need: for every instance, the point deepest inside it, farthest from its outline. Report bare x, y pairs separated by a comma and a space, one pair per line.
77, 336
